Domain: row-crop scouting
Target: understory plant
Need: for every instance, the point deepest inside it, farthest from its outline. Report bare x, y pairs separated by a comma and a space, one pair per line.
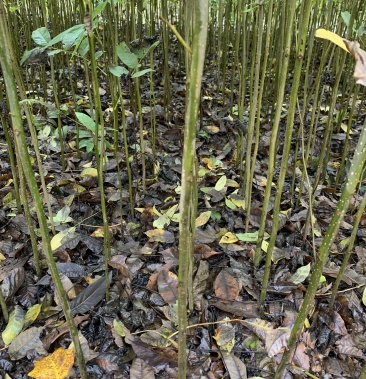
8, 67
352, 180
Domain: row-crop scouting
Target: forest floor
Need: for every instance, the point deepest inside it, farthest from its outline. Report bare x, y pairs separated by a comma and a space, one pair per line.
125, 337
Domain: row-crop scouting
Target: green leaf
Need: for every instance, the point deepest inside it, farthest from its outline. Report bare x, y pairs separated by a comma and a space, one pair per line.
99, 8
206, 189
216, 215
69, 36
161, 221
15, 325
220, 184
88, 144
301, 274
118, 71
126, 56
45, 132
83, 48
346, 17
41, 36
250, 237
141, 53
142, 72
30, 53
86, 121
62, 215
230, 204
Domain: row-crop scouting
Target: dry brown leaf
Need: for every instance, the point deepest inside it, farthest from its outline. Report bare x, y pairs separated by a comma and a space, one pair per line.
226, 286
360, 57
168, 286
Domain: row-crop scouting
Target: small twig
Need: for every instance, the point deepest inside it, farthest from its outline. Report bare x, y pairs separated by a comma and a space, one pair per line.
175, 31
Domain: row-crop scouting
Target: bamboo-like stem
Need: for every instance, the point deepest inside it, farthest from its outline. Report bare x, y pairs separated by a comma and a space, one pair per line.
12, 162
287, 144
273, 142
363, 372
357, 164
141, 132
28, 216
99, 155
19, 135
348, 253
249, 162
187, 209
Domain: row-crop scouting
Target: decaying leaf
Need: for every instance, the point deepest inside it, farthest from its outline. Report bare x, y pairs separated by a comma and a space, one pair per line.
27, 341
15, 325
301, 274
56, 366
90, 297
235, 367
203, 251
158, 358
360, 57
226, 286
203, 218
352, 47
160, 235
225, 336
141, 370
168, 286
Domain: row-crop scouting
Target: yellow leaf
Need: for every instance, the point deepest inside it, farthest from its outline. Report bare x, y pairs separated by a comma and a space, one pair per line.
208, 163
287, 211
264, 246
89, 172
203, 218
99, 232
119, 327
232, 183
56, 241
237, 200
229, 238
87, 165
55, 366
15, 325
344, 127
77, 188
160, 235
32, 315
333, 37
212, 129
307, 323
72, 145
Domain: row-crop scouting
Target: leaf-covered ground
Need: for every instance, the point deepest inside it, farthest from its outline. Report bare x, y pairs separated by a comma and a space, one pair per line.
133, 334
